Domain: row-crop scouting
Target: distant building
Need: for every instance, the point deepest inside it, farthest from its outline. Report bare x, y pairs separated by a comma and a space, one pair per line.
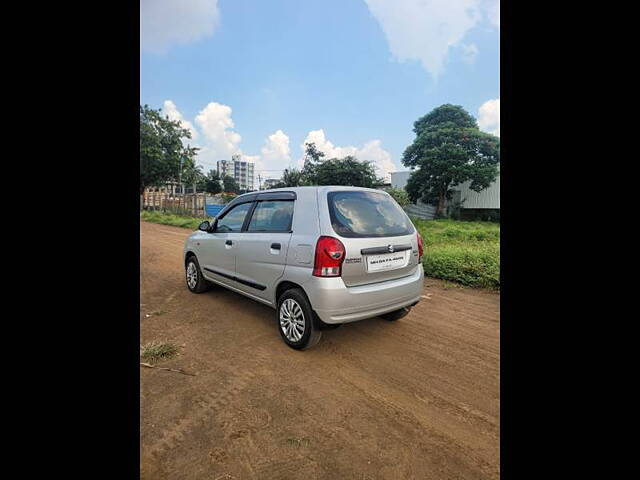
242, 172
480, 204
270, 183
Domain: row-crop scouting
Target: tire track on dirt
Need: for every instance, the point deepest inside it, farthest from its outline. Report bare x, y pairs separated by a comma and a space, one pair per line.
207, 405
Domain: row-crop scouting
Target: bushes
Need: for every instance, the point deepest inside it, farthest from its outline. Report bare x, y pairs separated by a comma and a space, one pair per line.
463, 252
170, 219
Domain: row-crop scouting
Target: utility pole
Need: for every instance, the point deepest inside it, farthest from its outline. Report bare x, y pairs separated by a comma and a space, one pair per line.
259, 182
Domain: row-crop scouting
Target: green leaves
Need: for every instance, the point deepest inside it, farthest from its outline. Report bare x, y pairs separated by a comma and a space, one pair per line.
163, 157
399, 195
212, 182
337, 171
449, 149
230, 185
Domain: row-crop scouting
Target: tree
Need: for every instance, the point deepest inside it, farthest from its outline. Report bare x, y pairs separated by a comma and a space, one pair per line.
162, 153
312, 159
346, 171
337, 171
192, 173
399, 195
230, 185
449, 149
291, 178
212, 182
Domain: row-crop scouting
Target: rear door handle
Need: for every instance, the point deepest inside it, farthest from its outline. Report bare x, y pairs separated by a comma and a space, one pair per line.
228, 242
275, 246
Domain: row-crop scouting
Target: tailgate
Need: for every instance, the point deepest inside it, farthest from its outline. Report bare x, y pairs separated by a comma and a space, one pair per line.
372, 260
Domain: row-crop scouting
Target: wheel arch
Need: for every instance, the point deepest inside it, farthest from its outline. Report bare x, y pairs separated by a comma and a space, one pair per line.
188, 254
285, 285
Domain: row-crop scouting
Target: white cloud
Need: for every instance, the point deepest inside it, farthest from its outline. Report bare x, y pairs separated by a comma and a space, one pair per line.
325, 146
371, 151
381, 158
164, 23
220, 140
217, 139
275, 155
171, 111
489, 116
425, 29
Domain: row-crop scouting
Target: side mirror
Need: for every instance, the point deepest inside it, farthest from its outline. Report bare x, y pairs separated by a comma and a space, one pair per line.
204, 226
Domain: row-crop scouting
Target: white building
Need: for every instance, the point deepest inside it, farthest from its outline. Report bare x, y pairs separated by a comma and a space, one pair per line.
242, 172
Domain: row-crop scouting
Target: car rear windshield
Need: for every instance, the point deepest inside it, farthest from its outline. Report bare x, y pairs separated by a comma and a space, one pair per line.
367, 214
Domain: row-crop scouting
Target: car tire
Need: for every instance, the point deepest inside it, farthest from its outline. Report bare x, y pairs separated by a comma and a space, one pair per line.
396, 314
296, 320
196, 283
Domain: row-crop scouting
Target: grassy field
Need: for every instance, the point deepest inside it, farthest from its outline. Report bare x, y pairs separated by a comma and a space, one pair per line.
463, 252
171, 219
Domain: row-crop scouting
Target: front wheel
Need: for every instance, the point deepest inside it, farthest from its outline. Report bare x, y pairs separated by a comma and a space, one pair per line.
196, 283
296, 321
396, 314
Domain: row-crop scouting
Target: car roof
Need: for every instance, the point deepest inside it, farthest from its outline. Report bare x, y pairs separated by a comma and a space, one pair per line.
326, 188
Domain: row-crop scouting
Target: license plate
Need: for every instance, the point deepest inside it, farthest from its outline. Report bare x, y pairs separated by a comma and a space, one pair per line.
387, 261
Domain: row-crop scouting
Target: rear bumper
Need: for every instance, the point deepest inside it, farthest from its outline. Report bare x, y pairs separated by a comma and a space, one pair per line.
334, 302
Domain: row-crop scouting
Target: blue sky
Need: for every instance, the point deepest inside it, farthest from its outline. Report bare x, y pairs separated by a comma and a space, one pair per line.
260, 78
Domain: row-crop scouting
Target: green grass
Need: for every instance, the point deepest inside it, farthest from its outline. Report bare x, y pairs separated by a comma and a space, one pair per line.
463, 252
153, 352
467, 253
171, 219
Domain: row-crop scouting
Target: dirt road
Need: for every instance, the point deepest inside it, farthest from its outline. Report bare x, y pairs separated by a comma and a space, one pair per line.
418, 398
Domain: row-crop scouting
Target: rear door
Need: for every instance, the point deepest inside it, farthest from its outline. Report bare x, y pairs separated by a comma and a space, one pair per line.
379, 238
263, 246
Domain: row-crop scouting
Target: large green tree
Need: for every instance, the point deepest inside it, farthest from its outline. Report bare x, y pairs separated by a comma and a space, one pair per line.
346, 171
163, 156
449, 149
291, 178
212, 182
312, 159
230, 185
337, 171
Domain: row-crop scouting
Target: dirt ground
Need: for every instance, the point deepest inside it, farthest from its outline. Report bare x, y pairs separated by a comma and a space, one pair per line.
418, 398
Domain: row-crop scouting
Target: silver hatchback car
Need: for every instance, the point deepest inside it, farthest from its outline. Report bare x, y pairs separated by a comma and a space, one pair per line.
321, 256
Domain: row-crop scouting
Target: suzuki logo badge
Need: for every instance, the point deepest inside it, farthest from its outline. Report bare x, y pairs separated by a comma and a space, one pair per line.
390, 247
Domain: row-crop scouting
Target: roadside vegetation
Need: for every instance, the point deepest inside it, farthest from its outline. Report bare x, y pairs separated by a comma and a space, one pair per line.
462, 252
153, 352
170, 219
467, 253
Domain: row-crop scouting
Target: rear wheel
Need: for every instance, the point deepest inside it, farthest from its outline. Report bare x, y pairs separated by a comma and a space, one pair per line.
396, 314
196, 283
297, 324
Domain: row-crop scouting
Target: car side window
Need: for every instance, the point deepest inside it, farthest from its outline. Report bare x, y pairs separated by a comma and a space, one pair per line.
233, 219
272, 216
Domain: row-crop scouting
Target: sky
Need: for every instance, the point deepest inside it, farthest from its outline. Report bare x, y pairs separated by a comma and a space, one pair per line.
262, 78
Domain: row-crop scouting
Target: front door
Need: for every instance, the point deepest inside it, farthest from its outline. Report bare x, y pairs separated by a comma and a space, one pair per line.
220, 247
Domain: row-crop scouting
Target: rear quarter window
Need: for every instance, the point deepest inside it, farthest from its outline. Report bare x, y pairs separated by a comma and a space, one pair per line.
367, 214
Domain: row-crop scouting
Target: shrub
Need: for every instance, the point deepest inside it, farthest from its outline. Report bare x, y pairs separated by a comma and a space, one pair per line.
399, 195
464, 252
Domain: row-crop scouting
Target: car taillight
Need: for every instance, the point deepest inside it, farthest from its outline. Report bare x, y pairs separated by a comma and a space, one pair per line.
329, 257
420, 246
